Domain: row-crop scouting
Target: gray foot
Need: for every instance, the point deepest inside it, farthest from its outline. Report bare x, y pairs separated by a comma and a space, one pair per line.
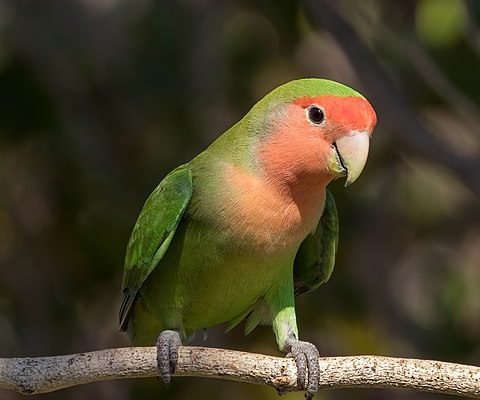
306, 357
167, 353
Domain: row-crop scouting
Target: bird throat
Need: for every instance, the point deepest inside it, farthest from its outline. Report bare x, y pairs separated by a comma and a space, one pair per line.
270, 216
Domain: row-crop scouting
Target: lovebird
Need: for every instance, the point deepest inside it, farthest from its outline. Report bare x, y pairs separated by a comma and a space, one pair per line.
248, 224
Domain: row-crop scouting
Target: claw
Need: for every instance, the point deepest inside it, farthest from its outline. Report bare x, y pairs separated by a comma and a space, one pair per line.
168, 343
306, 357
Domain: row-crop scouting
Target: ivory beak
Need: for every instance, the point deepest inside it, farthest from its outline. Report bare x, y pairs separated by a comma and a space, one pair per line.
352, 151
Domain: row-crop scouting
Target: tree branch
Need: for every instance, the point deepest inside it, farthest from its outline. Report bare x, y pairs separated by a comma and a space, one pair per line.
47, 374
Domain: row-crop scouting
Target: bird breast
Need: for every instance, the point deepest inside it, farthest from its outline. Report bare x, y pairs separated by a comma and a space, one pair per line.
256, 212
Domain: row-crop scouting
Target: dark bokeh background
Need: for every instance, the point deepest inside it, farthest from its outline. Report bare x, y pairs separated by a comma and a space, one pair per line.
99, 99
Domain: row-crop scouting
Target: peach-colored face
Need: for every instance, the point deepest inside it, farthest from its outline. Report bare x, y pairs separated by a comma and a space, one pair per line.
301, 145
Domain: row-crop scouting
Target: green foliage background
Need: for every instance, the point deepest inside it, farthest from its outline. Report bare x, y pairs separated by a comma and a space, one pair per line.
99, 99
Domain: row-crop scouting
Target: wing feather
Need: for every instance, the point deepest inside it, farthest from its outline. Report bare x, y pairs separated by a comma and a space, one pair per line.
152, 234
315, 258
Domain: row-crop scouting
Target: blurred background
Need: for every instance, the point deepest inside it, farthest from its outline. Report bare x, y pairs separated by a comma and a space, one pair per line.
100, 99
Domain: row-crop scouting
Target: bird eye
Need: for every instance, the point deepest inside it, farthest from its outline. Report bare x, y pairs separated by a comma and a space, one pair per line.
315, 115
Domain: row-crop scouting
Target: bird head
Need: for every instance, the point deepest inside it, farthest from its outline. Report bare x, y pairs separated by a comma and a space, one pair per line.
313, 127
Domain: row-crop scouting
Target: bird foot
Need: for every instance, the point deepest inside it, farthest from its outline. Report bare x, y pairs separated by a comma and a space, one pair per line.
168, 343
306, 357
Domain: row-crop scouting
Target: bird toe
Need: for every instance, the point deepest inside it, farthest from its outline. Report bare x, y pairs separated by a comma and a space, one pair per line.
306, 357
167, 344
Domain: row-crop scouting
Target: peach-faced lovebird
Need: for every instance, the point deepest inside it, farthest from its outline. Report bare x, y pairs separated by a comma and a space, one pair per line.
239, 231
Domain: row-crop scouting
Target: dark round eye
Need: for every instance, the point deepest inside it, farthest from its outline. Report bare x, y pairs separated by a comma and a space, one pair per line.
316, 115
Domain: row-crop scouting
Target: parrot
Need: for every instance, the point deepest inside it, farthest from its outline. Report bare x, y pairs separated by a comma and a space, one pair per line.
239, 231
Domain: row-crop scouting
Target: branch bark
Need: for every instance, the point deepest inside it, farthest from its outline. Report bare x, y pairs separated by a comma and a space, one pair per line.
47, 374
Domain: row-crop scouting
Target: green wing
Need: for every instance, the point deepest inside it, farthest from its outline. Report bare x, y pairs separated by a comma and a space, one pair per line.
316, 256
153, 233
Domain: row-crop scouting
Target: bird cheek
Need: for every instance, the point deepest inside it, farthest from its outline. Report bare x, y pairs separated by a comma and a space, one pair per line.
318, 152
331, 132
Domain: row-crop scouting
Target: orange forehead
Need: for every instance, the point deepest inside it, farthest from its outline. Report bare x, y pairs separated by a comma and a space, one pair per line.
353, 113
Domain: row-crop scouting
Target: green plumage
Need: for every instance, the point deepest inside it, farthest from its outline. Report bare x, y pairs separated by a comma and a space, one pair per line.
153, 233
159, 288
315, 258
189, 267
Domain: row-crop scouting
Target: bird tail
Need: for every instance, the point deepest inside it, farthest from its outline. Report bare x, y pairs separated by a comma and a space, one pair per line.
126, 309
